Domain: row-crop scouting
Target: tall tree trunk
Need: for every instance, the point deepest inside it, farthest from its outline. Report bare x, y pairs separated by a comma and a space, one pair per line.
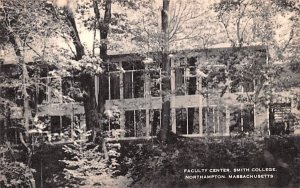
166, 80
26, 107
104, 29
87, 81
96, 23
25, 77
75, 35
90, 107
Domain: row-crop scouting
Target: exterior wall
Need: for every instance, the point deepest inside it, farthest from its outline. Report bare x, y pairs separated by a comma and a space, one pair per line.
212, 114
46, 102
63, 118
196, 109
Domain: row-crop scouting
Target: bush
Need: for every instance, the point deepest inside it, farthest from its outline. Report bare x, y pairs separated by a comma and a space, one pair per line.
153, 165
88, 168
15, 174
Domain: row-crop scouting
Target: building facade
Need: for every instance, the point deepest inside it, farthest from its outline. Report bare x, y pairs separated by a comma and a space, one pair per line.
208, 96
214, 92
55, 118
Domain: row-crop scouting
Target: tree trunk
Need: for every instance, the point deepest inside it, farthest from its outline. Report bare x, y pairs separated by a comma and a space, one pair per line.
6, 121
27, 111
26, 108
25, 77
75, 35
90, 106
166, 82
87, 81
104, 29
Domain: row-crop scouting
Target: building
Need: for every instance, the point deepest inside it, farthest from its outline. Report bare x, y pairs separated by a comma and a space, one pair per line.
214, 92
63, 119
208, 96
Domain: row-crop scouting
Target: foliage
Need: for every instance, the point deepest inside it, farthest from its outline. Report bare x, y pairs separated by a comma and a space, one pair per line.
14, 173
26, 20
112, 123
243, 21
271, 23
162, 166
87, 168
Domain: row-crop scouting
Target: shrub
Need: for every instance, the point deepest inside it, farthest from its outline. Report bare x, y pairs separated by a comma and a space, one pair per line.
88, 168
153, 165
15, 174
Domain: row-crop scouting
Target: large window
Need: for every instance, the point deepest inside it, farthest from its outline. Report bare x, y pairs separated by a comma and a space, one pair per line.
187, 120
50, 90
12, 94
64, 127
242, 119
155, 83
135, 123
242, 85
13, 130
114, 85
57, 125
112, 122
215, 81
214, 120
155, 121
70, 86
185, 76
133, 80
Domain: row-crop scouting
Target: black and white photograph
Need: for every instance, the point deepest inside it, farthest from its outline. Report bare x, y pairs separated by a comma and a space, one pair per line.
149, 93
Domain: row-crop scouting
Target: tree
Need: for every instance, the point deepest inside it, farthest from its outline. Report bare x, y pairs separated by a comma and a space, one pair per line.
247, 22
251, 22
87, 80
110, 25
21, 26
179, 26
166, 69
87, 167
93, 20
23, 23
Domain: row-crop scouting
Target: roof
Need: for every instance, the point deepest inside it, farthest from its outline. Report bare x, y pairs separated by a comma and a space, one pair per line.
10, 57
140, 56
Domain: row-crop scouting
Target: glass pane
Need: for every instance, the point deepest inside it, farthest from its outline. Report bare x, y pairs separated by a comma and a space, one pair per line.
179, 81
129, 124
181, 121
192, 85
134, 65
138, 84
66, 126
155, 122
235, 120
140, 123
155, 83
192, 61
127, 78
114, 86
103, 83
221, 120
127, 65
193, 121
208, 120
55, 124
248, 118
